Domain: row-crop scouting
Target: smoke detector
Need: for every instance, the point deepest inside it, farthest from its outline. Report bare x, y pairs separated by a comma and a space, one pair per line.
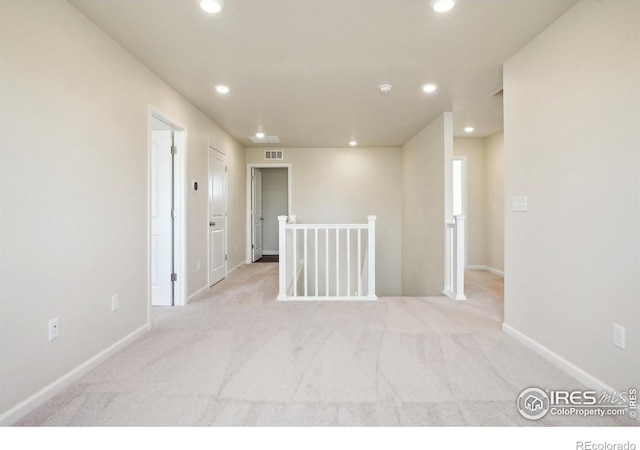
385, 88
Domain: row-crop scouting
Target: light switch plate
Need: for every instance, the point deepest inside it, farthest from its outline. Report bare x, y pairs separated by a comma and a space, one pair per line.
618, 336
519, 204
54, 329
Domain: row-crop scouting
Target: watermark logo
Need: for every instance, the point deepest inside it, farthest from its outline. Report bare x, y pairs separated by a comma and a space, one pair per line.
535, 403
588, 445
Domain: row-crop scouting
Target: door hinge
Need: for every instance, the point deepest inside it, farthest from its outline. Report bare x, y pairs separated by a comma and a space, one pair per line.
173, 213
226, 257
174, 277
174, 150
225, 168
253, 246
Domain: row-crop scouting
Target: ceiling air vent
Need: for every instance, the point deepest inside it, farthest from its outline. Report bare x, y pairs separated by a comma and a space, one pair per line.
265, 139
273, 154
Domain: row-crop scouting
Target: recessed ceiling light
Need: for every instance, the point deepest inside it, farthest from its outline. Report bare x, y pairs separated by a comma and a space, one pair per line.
429, 88
442, 5
222, 89
211, 6
260, 135
468, 130
353, 143
385, 88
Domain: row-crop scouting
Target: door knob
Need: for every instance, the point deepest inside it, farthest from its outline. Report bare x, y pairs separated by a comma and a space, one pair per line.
212, 224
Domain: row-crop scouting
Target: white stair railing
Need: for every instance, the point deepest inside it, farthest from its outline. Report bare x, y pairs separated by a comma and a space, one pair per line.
455, 259
327, 262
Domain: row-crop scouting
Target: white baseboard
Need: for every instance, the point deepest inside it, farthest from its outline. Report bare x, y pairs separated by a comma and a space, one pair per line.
558, 361
270, 252
205, 289
488, 269
453, 296
229, 272
43, 395
199, 293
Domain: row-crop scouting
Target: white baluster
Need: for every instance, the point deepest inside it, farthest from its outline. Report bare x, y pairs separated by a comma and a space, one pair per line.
282, 265
306, 265
348, 262
315, 250
295, 262
360, 261
337, 262
326, 260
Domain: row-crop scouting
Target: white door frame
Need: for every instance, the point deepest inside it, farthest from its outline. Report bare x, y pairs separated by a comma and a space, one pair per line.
180, 239
257, 224
250, 166
226, 215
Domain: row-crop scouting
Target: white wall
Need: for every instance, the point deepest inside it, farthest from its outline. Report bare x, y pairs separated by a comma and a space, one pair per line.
572, 140
474, 150
275, 192
494, 202
345, 185
236, 219
74, 195
426, 204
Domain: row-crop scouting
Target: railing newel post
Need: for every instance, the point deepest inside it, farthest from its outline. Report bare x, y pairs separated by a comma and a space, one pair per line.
371, 294
282, 258
459, 258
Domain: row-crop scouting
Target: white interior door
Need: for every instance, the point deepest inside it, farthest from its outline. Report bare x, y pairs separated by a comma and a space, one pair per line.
161, 220
217, 217
256, 208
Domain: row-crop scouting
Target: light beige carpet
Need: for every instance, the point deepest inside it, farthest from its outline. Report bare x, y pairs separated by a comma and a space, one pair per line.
239, 357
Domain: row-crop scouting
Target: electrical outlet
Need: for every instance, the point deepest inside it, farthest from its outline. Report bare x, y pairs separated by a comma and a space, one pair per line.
618, 336
519, 204
54, 329
115, 302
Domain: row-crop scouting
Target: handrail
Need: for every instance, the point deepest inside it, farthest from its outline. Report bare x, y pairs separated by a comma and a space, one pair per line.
317, 226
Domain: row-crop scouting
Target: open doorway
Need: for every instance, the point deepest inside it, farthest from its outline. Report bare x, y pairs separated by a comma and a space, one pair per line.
269, 196
166, 213
478, 193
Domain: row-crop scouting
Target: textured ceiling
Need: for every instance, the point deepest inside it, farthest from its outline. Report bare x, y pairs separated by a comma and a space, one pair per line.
308, 70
